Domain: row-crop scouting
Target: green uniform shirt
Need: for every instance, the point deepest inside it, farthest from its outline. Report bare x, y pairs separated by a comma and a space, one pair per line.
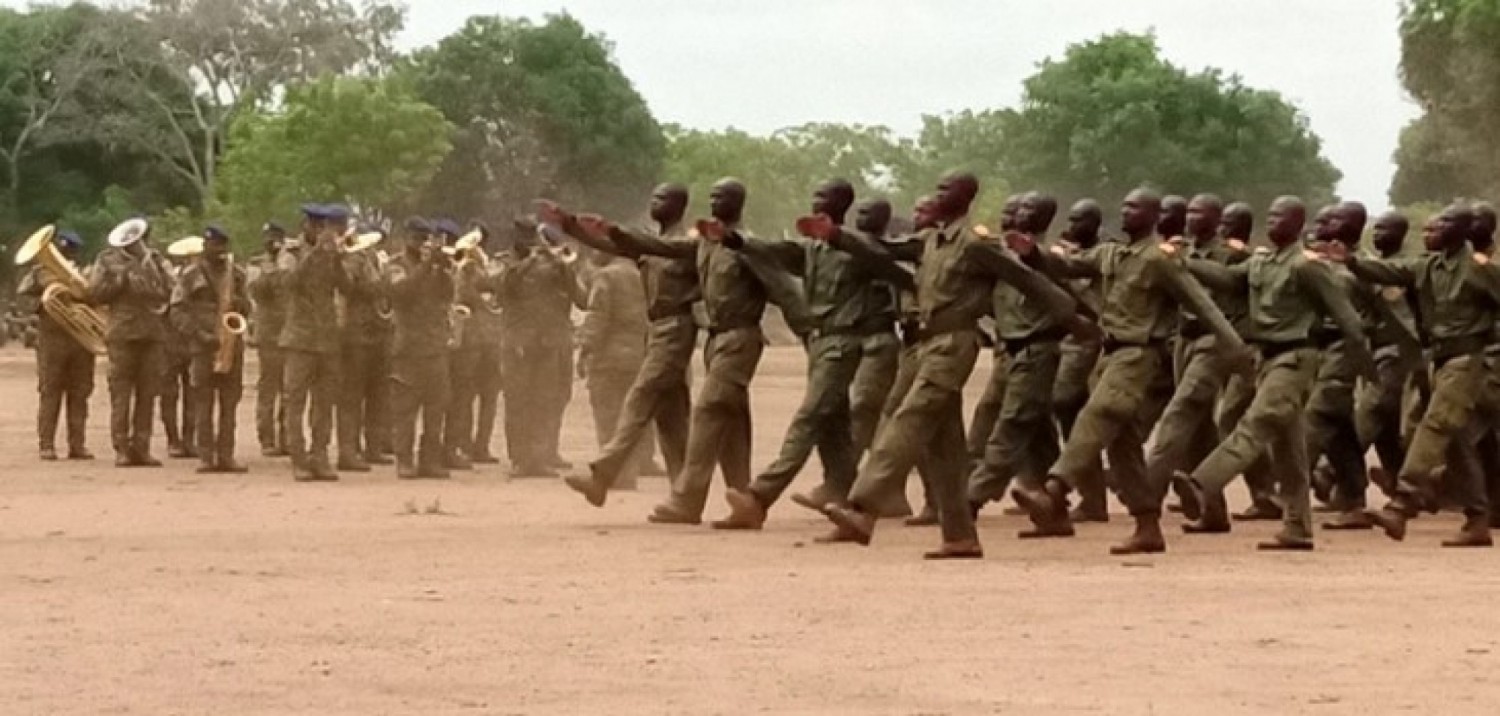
835, 286
671, 284
1231, 303
421, 300
1018, 317
1456, 293
136, 291
732, 295
613, 335
195, 304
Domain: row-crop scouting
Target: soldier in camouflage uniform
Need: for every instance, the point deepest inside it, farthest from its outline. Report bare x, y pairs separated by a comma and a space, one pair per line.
177, 383
135, 283
955, 280
420, 283
196, 314
309, 274
612, 348
270, 318
659, 395
470, 282
1288, 292
64, 367
364, 363
486, 330
1144, 289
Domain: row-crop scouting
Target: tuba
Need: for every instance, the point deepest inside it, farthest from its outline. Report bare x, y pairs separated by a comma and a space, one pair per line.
231, 323
63, 297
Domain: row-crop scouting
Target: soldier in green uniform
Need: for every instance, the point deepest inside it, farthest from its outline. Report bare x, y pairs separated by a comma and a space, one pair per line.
987, 409
836, 298
134, 282
1239, 389
1023, 441
659, 394
1186, 432
364, 363
1174, 217
1483, 240
1079, 356
311, 273
909, 312
486, 330
197, 312
612, 349
1377, 406
1288, 291
955, 280
470, 282
270, 318
538, 291
880, 351
1458, 292
176, 382
1144, 288
420, 283
64, 367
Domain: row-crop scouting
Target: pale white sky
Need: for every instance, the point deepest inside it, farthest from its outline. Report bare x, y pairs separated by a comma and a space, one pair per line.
765, 64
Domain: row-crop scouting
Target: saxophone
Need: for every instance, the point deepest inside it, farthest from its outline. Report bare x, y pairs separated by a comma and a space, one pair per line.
231, 323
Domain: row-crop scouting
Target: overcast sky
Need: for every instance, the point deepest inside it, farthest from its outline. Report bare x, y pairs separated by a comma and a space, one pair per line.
760, 65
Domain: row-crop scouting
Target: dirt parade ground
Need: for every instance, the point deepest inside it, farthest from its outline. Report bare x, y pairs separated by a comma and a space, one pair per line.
166, 592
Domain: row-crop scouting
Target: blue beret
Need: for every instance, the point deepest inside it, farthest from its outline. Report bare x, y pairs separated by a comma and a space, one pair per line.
447, 226
214, 233
315, 211
335, 212
417, 223
68, 238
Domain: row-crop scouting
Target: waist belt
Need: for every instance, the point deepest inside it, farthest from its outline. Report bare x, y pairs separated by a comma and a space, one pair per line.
1269, 350
1446, 349
935, 326
1046, 335
1110, 344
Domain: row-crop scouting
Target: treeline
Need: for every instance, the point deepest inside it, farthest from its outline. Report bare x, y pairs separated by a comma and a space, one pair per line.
237, 110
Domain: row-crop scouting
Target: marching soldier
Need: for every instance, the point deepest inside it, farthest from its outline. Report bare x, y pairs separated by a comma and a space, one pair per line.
364, 366
135, 282
270, 318
311, 273
880, 351
1079, 357
209, 298
177, 382
1288, 291
612, 349
64, 367
420, 284
659, 394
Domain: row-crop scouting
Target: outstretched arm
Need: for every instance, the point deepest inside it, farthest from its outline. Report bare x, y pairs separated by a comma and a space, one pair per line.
1318, 280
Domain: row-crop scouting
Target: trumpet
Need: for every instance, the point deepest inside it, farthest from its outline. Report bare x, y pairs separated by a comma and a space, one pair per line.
555, 245
353, 242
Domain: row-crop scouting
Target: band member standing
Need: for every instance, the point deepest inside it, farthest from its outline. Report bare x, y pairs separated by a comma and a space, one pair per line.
64, 367
270, 318
312, 273
176, 399
486, 330
364, 365
134, 282
463, 359
420, 284
209, 305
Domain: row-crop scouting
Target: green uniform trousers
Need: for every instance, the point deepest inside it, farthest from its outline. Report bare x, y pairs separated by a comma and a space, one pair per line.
419, 387
1239, 392
719, 432
1132, 386
1075, 374
880, 358
1023, 439
490, 382
926, 428
607, 391
822, 421
659, 394
310, 389
176, 392
1377, 408
65, 378
270, 412
1447, 435
216, 399
906, 375
135, 374
1274, 425
364, 398
538, 385
463, 376
987, 410
1331, 430
1186, 432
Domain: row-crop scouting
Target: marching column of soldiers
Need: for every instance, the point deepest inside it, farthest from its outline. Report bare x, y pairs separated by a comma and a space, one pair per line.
1169, 360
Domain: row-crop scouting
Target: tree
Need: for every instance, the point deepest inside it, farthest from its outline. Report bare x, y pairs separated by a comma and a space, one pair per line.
184, 70
369, 142
972, 141
1113, 115
1450, 63
540, 110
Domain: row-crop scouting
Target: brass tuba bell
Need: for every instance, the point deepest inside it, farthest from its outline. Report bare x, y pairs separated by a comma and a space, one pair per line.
63, 299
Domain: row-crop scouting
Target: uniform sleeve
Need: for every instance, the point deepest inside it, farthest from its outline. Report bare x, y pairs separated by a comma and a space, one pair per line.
1386, 272
994, 261
880, 259
788, 254
107, 281
1191, 296
1486, 276
1318, 281
263, 286
596, 318
638, 242
572, 228
1233, 278
1084, 264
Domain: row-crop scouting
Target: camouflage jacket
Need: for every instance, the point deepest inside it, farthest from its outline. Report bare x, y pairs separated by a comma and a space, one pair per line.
195, 304
136, 292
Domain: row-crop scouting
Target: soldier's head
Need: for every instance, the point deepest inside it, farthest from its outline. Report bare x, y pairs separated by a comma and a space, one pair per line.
417, 232
1390, 233
1285, 220
924, 213
336, 219
272, 236
726, 200
668, 203
1084, 220
215, 245
1204, 213
1140, 212
1036, 213
1238, 221
1484, 226
1347, 224
1008, 211
69, 244
873, 217
313, 218
833, 199
1173, 220
955, 193
1450, 228
1322, 224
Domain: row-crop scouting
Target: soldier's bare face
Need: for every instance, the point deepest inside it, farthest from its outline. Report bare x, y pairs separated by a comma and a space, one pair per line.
1285, 221
1139, 212
1390, 233
1203, 217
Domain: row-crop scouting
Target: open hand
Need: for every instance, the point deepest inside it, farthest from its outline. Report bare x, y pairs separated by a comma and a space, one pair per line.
595, 225
711, 229
1335, 251
817, 226
550, 212
1020, 243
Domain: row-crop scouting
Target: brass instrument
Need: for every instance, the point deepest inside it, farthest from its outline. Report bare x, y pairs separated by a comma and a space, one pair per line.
185, 248
352, 242
555, 245
63, 299
232, 324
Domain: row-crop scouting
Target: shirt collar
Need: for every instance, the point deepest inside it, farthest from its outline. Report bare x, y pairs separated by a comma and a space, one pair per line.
953, 229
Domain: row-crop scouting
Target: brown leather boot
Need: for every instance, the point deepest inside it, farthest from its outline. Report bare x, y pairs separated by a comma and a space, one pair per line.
1260, 511
1392, 520
964, 549
671, 513
745, 512
1284, 542
1048, 509
857, 526
1474, 533
1085, 512
1350, 520
588, 486
1190, 498
928, 517
1147, 538
815, 499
